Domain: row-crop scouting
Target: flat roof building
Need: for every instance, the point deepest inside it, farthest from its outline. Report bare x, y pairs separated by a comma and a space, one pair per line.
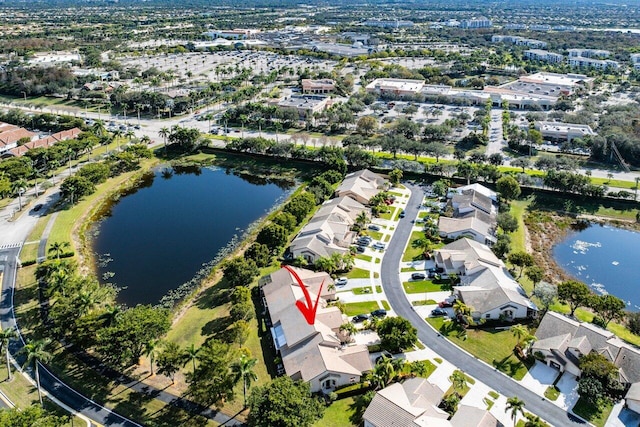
318, 86
543, 55
558, 131
397, 87
306, 105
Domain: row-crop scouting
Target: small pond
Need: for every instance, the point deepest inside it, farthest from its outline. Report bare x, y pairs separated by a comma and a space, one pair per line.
158, 235
605, 258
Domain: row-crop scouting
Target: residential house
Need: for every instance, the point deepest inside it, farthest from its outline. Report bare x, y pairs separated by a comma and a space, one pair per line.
562, 341
485, 283
45, 142
311, 353
635, 60
474, 215
414, 403
10, 135
328, 231
361, 186
632, 398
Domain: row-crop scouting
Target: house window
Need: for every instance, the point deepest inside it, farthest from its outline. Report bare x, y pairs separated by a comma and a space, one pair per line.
487, 316
329, 384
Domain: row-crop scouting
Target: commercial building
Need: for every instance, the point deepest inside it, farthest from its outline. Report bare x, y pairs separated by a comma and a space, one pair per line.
321, 86
560, 132
635, 60
54, 58
388, 24
540, 27
480, 22
306, 105
543, 55
316, 353
235, 34
395, 87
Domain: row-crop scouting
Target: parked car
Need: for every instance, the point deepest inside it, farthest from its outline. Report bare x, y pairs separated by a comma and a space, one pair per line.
341, 281
436, 270
445, 304
418, 276
360, 249
37, 207
402, 214
374, 227
381, 312
364, 241
379, 245
360, 318
439, 312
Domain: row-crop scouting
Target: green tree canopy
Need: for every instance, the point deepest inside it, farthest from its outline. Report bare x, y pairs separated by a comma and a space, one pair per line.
574, 293
239, 271
508, 187
396, 334
283, 403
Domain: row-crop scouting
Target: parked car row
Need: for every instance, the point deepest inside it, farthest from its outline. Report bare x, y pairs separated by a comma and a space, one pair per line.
381, 312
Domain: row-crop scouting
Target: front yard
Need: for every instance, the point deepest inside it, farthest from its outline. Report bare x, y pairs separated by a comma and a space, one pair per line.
421, 286
492, 346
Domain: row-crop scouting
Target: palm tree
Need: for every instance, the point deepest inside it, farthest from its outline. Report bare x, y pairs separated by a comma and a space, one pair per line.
190, 354
164, 133
150, 351
458, 380
98, 128
243, 369
463, 312
362, 219
57, 282
145, 140
7, 335
423, 244
17, 187
520, 332
58, 248
516, 406
36, 352
110, 314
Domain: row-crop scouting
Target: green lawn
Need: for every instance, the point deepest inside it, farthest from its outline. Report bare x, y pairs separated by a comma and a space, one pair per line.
358, 273
363, 307
385, 305
375, 235
411, 253
390, 214
591, 413
362, 291
367, 258
552, 393
340, 413
421, 286
492, 346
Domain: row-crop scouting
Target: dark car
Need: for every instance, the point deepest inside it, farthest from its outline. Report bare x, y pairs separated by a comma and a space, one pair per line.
402, 214
381, 312
418, 276
37, 207
438, 312
374, 227
360, 318
435, 270
360, 249
445, 304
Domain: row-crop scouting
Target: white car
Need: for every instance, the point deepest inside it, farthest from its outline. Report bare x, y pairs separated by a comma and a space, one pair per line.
379, 245
341, 281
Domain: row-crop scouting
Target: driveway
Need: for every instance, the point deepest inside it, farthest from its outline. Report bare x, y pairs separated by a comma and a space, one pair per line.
444, 348
539, 378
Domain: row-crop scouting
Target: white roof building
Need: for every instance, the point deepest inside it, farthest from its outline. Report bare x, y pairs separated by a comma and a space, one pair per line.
397, 87
543, 55
558, 131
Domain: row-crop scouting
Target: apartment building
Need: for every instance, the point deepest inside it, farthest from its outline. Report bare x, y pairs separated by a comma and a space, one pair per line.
543, 56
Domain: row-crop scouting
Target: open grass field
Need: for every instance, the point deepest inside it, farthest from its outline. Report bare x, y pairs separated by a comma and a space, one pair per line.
492, 346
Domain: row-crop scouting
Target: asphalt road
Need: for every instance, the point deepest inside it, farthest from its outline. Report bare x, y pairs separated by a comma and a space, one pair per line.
448, 351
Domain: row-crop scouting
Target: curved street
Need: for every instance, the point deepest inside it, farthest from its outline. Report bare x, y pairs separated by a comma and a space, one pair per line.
481, 371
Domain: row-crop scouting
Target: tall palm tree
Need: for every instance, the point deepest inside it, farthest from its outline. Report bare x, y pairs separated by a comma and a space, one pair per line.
57, 282
190, 354
58, 248
243, 369
18, 187
36, 352
164, 133
98, 128
516, 406
362, 219
110, 314
150, 351
7, 335
520, 332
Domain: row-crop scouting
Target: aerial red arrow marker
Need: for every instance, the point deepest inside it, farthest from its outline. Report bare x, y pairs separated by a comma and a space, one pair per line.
308, 310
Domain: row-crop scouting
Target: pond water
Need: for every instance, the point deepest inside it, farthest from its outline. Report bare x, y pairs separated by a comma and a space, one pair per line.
605, 258
158, 235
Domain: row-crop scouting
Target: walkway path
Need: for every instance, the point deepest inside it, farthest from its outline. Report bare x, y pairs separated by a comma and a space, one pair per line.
441, 346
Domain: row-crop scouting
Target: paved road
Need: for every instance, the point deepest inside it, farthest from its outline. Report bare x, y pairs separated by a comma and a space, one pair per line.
448, 351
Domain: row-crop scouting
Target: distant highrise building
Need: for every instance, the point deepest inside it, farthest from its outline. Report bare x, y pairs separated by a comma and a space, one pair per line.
480, 22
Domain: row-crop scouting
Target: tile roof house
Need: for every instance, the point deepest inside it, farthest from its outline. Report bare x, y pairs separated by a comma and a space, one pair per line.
329, 231
474, 215
361, 186
45, 142
561, 342
414, 403
11, 134
485, 282
311, 353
